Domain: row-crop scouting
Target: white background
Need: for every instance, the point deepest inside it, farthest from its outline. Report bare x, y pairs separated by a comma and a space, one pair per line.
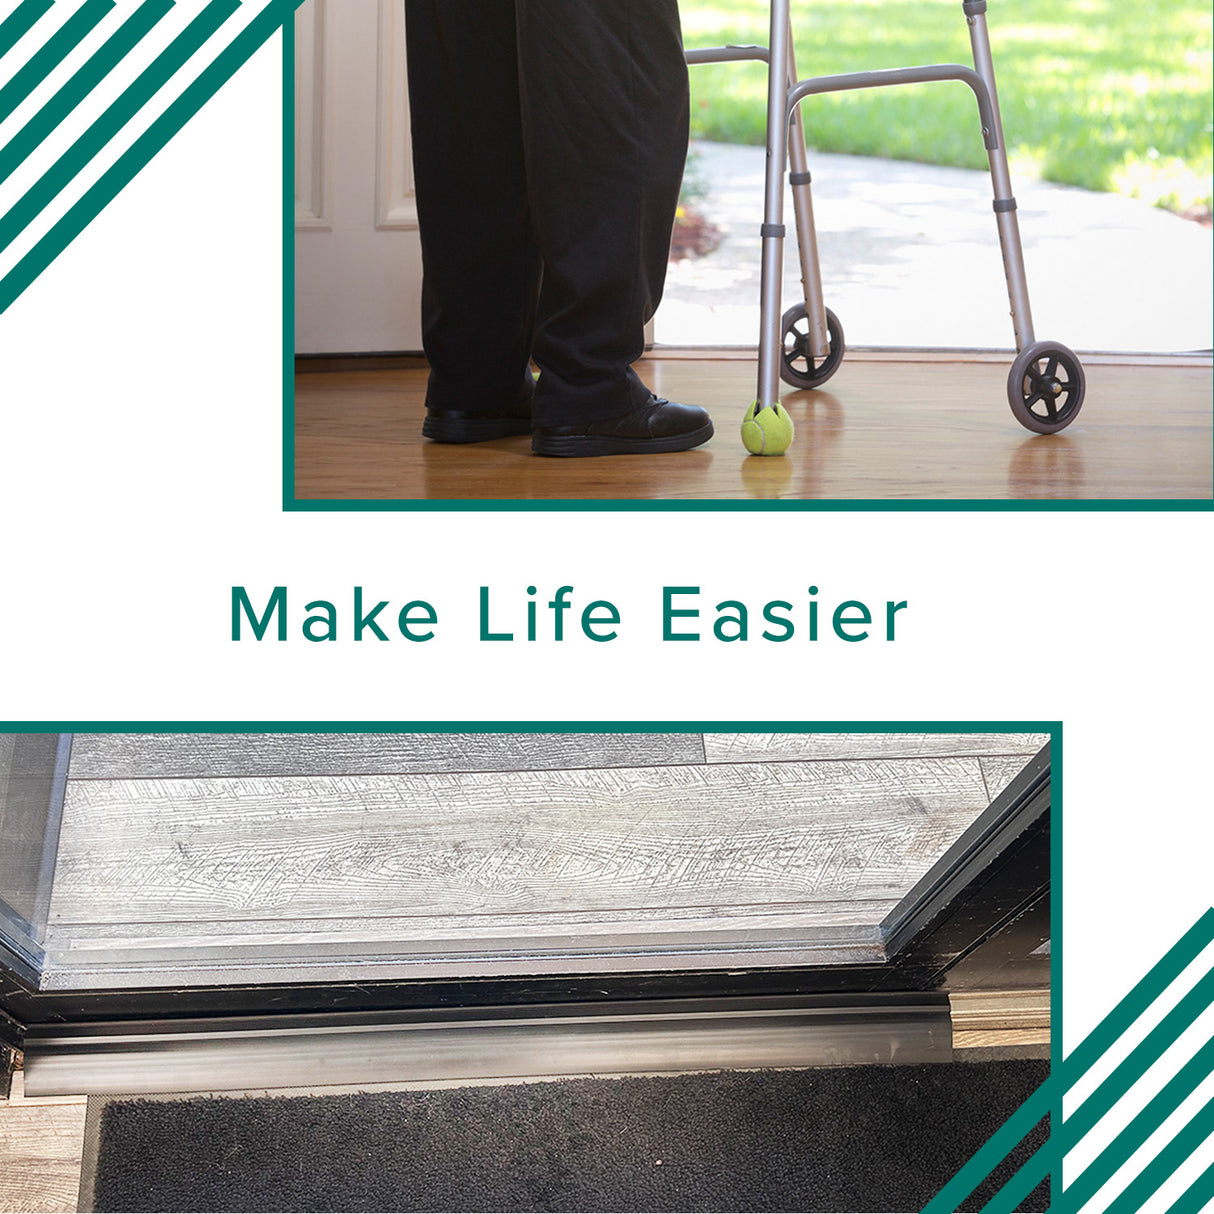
140, 479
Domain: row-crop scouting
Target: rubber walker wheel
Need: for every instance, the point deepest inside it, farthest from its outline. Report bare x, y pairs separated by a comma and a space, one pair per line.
798, 366
1045, 387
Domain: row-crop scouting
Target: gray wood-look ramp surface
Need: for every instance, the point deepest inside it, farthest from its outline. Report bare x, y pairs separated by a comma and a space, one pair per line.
999, 771
105, 756
786, 747
335, 855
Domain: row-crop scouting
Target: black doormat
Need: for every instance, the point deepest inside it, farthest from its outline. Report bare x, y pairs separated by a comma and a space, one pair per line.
855, 1139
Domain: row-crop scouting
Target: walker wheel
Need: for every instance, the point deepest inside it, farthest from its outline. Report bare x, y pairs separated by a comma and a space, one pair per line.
798, 366
1045, 387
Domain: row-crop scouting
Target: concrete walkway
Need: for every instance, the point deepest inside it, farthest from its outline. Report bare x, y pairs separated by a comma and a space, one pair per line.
910, 257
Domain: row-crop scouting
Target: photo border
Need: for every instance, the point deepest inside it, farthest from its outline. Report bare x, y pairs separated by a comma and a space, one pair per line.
1054, 730
293, 504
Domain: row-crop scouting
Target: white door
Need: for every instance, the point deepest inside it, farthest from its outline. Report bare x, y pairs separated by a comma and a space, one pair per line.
357, 256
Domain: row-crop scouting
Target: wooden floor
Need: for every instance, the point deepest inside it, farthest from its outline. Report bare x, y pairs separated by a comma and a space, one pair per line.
999, 1020
41, 1144
339, 856
886, 427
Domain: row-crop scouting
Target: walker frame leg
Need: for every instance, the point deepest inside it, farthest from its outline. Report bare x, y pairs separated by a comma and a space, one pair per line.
772, 231
1046, 384
811, 337
1005, 202
818, 339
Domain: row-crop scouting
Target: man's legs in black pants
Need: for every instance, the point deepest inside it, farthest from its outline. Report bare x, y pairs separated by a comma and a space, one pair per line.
548, 132
605, 129
480, 268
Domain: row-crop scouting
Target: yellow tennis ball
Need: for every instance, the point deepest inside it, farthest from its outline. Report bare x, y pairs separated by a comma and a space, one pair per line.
767, 431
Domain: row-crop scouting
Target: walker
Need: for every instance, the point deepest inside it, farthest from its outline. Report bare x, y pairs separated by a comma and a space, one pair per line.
804, 347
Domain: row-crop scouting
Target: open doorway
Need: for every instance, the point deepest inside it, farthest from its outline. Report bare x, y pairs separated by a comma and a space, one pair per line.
1112, 180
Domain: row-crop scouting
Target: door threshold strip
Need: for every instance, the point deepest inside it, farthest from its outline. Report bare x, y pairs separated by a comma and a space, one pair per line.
606, 1039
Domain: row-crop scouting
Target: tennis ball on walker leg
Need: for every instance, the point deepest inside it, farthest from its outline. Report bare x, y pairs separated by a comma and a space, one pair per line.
767, 431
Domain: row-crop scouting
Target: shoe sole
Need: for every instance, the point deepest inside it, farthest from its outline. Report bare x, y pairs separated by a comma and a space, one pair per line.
578, 445
472, 429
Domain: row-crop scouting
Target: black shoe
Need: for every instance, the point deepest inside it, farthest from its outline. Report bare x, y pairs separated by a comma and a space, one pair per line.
657, 426
464, 426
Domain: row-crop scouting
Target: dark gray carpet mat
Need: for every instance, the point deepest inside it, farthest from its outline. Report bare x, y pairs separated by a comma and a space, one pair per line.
856, 1139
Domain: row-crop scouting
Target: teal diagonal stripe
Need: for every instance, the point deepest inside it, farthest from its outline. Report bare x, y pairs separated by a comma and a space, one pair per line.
1138, 1061
1160, 1169
994, 1151
111, 183
1197, 1196
1165, 1102
99, 65
1026, 1179
19, 22
51, 54
132, 100
1118, 1021
1161, 975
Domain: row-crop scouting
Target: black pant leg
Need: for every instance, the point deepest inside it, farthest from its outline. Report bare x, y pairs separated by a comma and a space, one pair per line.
605, 120
480, 266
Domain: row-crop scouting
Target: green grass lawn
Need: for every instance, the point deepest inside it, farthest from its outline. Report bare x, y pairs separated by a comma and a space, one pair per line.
1105, 94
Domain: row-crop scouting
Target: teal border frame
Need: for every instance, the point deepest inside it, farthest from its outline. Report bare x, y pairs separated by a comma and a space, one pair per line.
1053, 728
292, 504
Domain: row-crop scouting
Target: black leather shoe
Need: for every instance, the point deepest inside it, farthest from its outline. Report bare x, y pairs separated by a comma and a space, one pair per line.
657, 426
465, 426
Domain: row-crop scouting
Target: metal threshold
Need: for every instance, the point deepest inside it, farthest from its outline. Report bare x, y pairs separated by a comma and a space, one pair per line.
603, 1039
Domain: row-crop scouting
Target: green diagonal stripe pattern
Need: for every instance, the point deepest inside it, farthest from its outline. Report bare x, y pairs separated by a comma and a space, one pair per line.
101, 63
994, 1151
19, 22
1143, 1056
112, 182
1157, 1111
132, 100
1164, 972
1104, 1097
1023, 1182
1197, 1196
51, 54
1165, 1163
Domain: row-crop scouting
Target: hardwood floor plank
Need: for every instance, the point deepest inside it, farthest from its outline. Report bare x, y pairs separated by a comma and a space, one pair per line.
41, 1144
908, 429
683, 839
989, 1011
798, 747
979, 1039
143, 756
